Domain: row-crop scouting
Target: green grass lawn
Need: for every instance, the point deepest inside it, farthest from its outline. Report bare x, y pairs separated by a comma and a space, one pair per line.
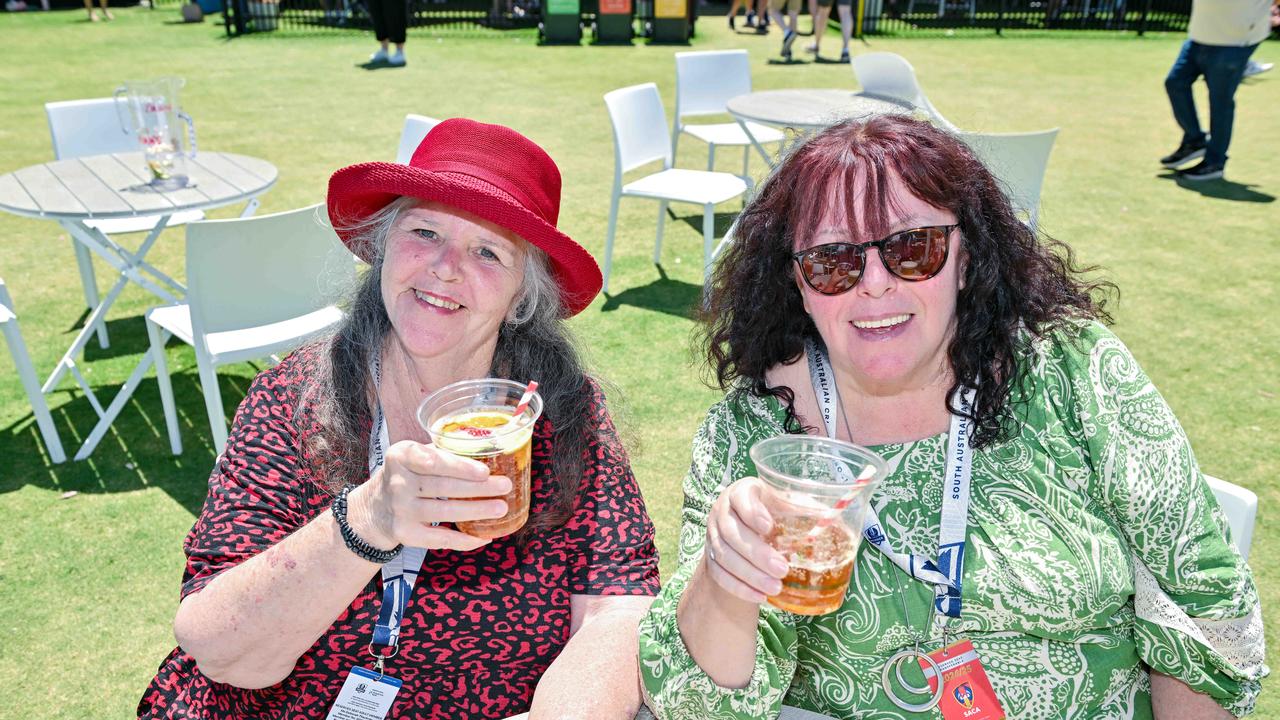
89, 584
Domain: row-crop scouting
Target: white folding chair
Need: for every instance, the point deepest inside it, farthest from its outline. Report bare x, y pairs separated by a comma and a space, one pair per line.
416, 127
639, 138
27, 376
889, 75
255, 287
1019, 161
705, 82
92, 127
1241, 508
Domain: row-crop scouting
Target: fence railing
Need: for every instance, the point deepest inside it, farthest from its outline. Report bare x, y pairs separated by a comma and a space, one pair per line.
243, 16
879, 17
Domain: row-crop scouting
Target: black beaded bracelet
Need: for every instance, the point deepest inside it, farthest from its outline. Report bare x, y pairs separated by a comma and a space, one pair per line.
354, 542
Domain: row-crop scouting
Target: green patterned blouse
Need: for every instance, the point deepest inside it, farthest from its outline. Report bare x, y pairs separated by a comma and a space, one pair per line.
1094, 548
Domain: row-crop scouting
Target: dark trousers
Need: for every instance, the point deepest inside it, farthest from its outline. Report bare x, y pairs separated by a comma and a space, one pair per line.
1222, 68
390, 18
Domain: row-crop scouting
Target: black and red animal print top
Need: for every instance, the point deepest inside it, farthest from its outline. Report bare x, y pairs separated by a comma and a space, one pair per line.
481, 627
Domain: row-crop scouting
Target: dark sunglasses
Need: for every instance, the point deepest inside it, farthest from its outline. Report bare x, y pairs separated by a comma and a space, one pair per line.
916, 254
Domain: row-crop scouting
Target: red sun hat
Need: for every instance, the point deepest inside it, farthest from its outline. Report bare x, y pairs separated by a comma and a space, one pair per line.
490, 171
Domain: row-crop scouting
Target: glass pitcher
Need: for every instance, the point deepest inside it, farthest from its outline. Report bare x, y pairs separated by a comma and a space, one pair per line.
153, 112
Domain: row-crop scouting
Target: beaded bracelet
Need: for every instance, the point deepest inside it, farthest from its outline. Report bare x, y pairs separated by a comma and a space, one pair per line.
354, 542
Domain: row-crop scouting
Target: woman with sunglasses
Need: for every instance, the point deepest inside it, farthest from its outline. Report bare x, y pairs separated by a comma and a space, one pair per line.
882, 291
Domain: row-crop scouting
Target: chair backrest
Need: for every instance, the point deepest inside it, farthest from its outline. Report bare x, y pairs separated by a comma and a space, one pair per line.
705, 81
1241, 508
889, 75
416, 127
87, 127
1019, 161
248, 272
639, 127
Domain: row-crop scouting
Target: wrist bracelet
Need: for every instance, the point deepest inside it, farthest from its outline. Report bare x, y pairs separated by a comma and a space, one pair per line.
354, 542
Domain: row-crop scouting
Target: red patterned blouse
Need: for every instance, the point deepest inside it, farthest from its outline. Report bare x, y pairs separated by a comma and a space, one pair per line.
481, 626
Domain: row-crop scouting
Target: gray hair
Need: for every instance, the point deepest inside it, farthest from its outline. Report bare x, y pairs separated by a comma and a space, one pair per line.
533, 344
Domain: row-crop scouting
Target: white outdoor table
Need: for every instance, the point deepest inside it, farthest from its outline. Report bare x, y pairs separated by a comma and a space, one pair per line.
71, 192
807, 109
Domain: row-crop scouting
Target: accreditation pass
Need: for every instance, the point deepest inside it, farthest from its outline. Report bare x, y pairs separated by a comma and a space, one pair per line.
366, 695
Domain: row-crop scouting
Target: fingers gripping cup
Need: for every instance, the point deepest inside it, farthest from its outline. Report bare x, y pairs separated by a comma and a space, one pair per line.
817, 491
485, 420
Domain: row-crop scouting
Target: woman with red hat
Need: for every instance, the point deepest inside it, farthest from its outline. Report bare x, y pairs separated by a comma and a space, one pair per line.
325, 577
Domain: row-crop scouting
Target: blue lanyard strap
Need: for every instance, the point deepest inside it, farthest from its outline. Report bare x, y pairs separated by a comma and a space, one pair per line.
401, 574
947, 571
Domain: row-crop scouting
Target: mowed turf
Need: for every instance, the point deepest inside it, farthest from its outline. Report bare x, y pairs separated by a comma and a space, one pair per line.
89, 583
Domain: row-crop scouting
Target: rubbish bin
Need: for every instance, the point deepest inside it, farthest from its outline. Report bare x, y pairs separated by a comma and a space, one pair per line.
670, 22
561, 22
614, 23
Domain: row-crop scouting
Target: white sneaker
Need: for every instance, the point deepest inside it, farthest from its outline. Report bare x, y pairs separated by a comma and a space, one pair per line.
1257, 68
397, 60
379, 57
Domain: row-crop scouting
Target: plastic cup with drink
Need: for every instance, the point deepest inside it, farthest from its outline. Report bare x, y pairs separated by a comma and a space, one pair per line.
490, 420
817, 491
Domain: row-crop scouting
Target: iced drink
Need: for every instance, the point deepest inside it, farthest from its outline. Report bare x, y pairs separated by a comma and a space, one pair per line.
817, 493
818, 566
475, 419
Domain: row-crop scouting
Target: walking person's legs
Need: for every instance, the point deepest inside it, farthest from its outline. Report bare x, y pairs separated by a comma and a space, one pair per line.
845, 11
1178, 84
378, 15
820, 15
1223, 70
397, 28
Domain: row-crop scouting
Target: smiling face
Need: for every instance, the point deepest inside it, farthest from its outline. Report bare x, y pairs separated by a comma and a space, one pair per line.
887, 335
449, 279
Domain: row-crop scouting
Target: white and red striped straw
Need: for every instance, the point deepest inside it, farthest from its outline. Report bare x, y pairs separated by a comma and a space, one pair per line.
529, 390
828, 518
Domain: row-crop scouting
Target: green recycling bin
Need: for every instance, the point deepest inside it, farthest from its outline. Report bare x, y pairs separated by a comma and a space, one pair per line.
670, 22
561, 22
614, 24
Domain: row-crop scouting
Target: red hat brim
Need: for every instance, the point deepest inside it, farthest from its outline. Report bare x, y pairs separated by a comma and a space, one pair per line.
357, 191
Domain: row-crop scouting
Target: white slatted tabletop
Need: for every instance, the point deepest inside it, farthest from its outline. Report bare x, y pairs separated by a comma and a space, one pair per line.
115, 186
810, 109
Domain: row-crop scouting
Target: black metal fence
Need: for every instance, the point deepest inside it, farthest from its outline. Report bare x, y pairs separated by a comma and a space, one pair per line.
879, 17
265, 15
894, 17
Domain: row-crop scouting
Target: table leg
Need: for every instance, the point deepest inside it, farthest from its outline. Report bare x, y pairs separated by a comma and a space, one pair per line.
756, 143
117, 404
84, 261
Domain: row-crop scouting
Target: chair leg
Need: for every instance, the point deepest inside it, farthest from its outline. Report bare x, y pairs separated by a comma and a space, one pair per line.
39, 408
608, 240
158, 338
746, 172
212, 402
657, 244
711, 157
708, 237
84, 261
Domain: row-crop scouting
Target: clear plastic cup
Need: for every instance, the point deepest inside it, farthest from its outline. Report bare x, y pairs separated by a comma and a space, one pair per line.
817, 491
475, 419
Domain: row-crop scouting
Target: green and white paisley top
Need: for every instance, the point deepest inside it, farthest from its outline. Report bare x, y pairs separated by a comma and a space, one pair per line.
1094, 548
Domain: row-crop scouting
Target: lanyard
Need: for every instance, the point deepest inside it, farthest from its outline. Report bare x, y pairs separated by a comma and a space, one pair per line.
401, 574
947, 571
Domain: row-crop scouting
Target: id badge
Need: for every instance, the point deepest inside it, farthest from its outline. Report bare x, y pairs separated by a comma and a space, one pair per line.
966, 691
366, 695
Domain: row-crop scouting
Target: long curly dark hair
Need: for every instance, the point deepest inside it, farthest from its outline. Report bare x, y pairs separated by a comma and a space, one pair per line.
1015, 283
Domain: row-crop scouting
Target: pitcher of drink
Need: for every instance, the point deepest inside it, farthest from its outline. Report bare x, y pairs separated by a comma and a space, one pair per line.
152, 111
817, 491
489, 420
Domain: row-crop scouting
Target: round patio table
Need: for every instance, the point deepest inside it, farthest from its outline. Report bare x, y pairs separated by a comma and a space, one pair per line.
78, 191
808, 109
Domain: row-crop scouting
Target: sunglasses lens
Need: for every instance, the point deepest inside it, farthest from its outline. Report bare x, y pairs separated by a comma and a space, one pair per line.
916, 254
832, 269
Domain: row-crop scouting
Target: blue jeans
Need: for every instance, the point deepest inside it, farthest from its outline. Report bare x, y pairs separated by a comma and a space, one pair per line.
1222, 68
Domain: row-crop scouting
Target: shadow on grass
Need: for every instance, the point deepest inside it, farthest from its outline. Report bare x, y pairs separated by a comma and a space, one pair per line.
127, 335
663, 295
134, 454
723, 221
1222, 189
